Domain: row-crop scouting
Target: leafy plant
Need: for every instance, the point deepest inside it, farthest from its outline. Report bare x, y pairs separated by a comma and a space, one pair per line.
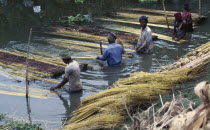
78, 19
79, 1
2, 116
20, 126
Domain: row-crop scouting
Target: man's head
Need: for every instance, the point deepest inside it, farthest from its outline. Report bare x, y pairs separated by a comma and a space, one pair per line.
178, 16
67, 60
111, 37
187, 7
143, 20
65, 56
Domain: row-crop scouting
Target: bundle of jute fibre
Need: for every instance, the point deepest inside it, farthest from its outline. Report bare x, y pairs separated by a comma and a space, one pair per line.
191, 59
198, 119
169, 77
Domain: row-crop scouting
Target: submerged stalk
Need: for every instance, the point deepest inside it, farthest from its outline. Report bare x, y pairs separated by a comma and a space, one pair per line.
164, 8
101, 48
199, 8
27, 61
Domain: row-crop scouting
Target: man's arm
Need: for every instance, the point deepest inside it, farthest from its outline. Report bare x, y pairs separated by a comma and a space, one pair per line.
104, 56
61, 84
120, 42
123, 51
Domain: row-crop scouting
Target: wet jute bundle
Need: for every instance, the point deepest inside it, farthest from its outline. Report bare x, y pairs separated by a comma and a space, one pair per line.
198, 119
192, 59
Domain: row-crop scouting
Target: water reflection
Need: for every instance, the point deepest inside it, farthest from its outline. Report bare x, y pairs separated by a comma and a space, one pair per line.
112, 73
3, 2
146, 62
28, 109
28, 3
71, 101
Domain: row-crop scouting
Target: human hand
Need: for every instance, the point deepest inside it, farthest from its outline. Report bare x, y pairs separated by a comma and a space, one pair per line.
119, 42
173, 37
53, 88
98, 58
138, 48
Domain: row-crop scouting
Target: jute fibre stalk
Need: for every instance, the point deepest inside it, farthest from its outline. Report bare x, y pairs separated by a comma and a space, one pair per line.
27, 61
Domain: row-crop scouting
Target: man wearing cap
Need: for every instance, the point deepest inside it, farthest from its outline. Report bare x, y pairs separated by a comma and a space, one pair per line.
72, 75
113, 53
145, 44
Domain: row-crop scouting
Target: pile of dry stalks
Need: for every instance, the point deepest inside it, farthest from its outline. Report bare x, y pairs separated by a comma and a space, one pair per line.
161, 119
177, 115
198, 118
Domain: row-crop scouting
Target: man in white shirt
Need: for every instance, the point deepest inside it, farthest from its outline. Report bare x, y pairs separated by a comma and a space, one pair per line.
72, 75
145, 44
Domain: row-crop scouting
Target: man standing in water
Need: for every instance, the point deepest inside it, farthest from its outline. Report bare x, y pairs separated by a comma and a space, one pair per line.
179, 31
113, 53
72, 74
145, 44
187, 17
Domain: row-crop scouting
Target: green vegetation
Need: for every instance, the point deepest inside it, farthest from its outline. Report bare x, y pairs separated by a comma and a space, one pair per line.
20, 126
15, 125
79, 1
2, 116
78, 19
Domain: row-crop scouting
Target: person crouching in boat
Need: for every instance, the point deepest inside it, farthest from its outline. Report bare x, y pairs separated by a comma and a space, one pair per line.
113, 53
145, 43
179, 30
72, 74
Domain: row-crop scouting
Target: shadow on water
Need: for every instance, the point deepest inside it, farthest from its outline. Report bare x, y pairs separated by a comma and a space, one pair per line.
16, 17
71, 101
146, 62
112, 74
28, 109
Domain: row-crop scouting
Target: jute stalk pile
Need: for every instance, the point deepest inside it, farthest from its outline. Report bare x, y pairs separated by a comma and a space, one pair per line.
192, 59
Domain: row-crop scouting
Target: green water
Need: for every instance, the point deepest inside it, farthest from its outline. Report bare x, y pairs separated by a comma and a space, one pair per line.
15, 21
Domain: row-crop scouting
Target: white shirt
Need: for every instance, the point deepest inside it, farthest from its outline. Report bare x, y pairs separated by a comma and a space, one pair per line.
145, 43
72, 72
